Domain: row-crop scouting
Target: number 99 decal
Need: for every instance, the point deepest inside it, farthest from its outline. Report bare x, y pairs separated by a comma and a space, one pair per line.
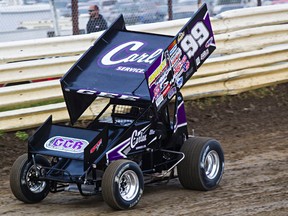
191, 42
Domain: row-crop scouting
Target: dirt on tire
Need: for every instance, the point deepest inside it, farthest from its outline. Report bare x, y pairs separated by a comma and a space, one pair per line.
253, 130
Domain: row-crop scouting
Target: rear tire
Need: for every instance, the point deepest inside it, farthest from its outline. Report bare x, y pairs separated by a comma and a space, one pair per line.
23, 181
122, 184
203, 165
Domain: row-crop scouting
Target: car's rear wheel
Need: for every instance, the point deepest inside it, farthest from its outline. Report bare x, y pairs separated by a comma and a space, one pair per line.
24, 181
203, 165
122, 184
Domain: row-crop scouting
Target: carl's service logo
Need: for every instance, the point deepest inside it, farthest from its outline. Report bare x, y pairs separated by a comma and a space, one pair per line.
129, 52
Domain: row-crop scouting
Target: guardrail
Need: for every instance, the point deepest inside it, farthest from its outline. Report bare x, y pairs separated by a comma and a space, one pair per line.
252, 52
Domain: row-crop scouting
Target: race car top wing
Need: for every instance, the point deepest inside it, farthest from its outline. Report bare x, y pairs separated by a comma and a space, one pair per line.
132, 65
180, 60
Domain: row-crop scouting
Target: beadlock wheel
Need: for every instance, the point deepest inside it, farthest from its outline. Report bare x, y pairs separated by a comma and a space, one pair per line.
128, 185
24, 181
122, 184
34, 185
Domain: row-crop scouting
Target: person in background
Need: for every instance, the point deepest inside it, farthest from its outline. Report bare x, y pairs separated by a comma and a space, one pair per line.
96, 21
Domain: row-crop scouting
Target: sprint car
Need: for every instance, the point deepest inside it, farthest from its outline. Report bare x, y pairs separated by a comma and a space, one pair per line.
140, 136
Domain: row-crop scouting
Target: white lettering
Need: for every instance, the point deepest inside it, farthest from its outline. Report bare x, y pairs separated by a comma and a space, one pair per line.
151, 58
191, 42
129, 69
137, 137
134, 57
85, 91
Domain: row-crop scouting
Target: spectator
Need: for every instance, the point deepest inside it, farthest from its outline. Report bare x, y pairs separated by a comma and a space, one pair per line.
96, 21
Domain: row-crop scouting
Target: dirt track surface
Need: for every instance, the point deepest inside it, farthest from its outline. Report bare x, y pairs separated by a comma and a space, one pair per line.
253, 130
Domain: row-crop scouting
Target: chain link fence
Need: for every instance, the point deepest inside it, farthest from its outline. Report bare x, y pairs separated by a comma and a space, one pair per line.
31, 19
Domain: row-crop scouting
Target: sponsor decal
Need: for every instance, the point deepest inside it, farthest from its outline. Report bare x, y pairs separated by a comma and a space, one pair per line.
137, 137
180, 36
113, 56
166, 90
173, 50
204, 54
66, 144
182, 66
157, 90
176, 56
186, 65
177, 67
157, 72
163, 102
159, 100
96, 146
130, 69
121, 150
107, 94
179, 82
172, 92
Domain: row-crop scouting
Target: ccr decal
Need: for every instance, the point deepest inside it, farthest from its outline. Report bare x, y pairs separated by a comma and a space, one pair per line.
66, 144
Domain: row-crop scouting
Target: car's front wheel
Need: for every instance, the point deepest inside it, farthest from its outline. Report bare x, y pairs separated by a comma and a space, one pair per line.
122, 184
24, 182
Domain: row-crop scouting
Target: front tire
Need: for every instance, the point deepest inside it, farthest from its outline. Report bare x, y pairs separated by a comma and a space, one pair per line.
23, 179
122, 184
203, 165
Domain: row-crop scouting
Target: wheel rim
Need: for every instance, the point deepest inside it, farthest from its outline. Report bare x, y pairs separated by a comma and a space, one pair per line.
212, 164
34, 185
128, 185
